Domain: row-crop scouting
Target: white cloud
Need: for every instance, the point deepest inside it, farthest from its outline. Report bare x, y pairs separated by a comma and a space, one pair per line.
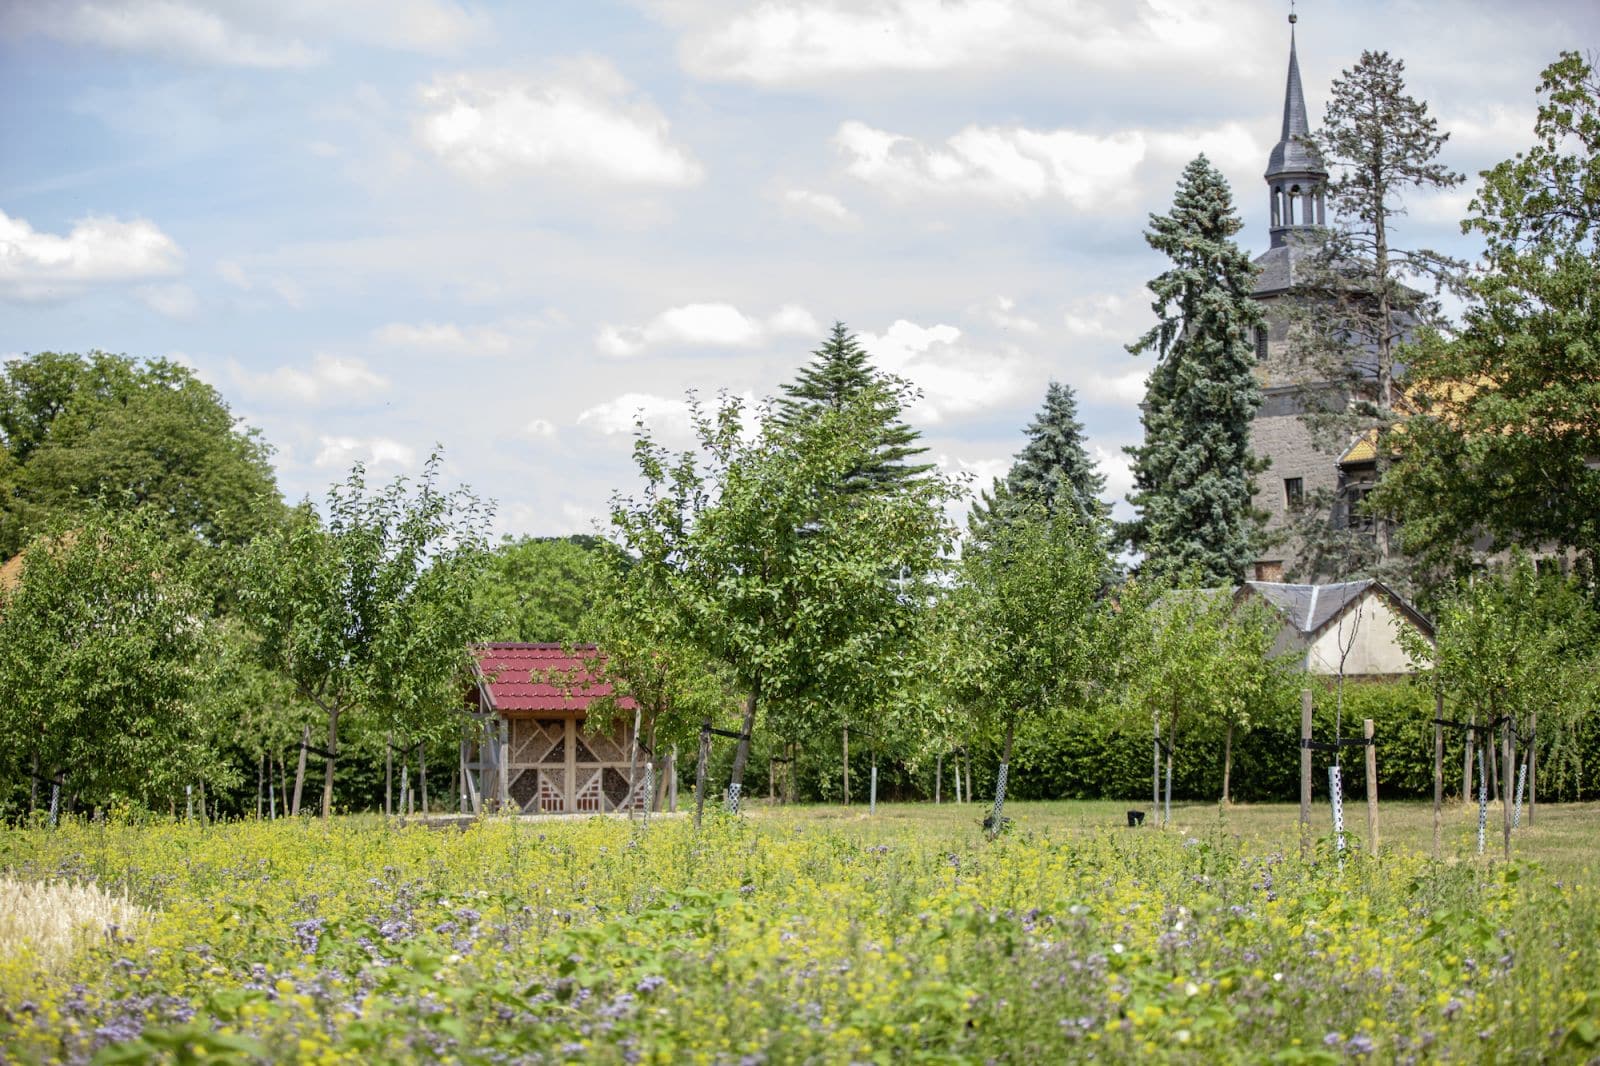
718, 325
662, 414
539, 429
817, 41
1122, 390
954, 379
584, 123
995, 163
1000, 311
174, 301
287, 289
329, 379
248, 35
444, 337
373, 452
36, 265
818, 204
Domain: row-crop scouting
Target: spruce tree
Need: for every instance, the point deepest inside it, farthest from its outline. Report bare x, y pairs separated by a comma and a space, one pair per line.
840, 372
1052, 472
1192, 474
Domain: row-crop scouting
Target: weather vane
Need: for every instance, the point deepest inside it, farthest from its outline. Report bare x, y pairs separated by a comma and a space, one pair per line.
1293, 18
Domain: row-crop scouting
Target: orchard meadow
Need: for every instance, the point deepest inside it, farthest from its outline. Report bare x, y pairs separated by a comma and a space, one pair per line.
804, 935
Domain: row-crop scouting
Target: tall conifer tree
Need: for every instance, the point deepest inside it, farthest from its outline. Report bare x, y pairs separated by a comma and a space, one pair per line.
1192, 474
1052, 472
839, 372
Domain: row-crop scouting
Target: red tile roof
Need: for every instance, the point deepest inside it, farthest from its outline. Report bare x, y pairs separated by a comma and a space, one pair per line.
527, 678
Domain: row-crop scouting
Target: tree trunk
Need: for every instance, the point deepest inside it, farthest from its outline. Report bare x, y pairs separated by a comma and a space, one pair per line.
1494, 767
968, 752
1466, 760
261, 784
741, 752
388, 775
1155, 769
1533, 765
328, 760
700, 773
33, 785
938, 778
633, 758
1227, 765
422, 774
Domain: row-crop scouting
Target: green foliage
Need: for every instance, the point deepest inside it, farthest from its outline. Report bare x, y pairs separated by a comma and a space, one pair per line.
1507, 431
839, 374
1357, 298
538, 589
763, 553
371, 611
1192, 474
1023, 628
105, 653
1514, 644
104, 430
1053, 470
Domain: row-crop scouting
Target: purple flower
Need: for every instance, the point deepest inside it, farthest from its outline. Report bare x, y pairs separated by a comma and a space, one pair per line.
650, 983
1360, 1044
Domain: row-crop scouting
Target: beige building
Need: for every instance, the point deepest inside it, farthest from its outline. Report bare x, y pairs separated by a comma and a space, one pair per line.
1355, 625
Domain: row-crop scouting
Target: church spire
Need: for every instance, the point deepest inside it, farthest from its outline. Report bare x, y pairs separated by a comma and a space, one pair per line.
1295, 174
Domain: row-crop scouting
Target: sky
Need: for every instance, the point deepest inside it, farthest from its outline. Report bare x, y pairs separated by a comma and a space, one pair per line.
378, 226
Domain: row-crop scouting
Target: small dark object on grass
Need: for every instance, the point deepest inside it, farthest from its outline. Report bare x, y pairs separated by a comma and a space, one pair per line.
1135, 818
989, 825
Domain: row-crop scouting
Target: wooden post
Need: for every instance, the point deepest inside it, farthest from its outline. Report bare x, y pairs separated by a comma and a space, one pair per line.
1506, 763
283, 784
388, 775
1305, 772
672, 782
968, 752
938, 777
1372, 788
1438, 775
261, 787
203, 819
1227, 765
1155, 770
422, 773
502, 765
1466, 758
703, 757
847, 764
633, 758
300, 771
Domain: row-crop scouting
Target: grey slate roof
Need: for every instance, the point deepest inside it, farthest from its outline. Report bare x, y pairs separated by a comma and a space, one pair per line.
1293, 155
1310, 607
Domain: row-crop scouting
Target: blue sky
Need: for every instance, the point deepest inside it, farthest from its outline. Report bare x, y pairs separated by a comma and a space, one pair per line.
377, 226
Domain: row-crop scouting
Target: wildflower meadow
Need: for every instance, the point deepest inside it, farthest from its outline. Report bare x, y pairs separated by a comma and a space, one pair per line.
813, 935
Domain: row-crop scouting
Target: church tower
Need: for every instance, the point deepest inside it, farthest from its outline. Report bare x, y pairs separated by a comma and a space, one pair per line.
1296, 187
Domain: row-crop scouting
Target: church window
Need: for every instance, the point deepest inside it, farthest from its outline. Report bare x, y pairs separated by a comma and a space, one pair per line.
1261, 344
1294, 491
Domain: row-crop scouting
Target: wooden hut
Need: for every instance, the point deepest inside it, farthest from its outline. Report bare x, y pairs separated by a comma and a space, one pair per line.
530, 751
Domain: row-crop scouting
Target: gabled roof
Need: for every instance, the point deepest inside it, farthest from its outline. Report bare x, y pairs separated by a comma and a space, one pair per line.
1311, 607
528, 678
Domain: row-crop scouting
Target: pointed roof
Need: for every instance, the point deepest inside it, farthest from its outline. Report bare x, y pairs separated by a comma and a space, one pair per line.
1308, 608
1292, 154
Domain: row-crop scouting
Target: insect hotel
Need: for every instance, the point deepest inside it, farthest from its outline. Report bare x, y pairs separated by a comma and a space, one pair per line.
529, 751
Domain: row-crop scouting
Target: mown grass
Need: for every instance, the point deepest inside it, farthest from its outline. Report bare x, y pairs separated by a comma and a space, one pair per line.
818, 935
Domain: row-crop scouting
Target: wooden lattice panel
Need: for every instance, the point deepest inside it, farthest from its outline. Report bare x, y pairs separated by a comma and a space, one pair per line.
591, 798
525, 789
555, 742
552, 791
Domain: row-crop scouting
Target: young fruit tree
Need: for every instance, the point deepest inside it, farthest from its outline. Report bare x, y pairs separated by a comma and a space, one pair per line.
371, 611
773, 563
1195, 661
1023, 625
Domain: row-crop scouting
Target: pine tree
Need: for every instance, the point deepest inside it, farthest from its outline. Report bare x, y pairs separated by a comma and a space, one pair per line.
1192, 474
839, 372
